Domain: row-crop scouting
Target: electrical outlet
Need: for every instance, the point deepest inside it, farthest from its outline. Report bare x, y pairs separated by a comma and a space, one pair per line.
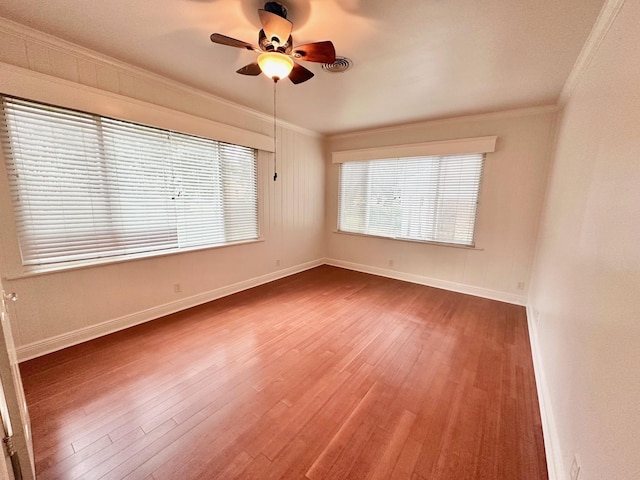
520, 285
391, 263
177, 288
277, 263
575, 469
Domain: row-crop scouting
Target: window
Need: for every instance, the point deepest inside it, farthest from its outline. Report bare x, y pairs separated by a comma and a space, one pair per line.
87, 187
430, 198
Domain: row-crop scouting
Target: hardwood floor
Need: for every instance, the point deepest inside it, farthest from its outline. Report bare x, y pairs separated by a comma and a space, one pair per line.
327, 374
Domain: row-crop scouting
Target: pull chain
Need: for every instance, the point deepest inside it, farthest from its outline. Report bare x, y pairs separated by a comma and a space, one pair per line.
275, 140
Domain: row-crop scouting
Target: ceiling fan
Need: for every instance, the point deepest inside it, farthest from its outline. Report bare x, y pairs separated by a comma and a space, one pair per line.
275, 45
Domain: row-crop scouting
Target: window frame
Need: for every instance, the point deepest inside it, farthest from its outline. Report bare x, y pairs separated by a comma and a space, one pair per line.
454, 147
17, 269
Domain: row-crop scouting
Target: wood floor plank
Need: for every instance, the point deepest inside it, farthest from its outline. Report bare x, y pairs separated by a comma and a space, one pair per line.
385, 457
327, 374
404, 466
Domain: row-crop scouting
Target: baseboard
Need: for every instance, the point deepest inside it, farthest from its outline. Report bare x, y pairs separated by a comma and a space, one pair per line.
52, 344
431, 282
48, 345
549, 429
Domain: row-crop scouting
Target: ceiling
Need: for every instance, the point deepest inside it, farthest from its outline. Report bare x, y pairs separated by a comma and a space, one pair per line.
413, 59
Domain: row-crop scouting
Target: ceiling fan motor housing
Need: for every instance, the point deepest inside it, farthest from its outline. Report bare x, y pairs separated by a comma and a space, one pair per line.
276, 8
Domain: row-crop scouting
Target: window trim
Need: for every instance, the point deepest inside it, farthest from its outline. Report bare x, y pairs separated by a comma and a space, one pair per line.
475, 145
411, 240
37, 270
457, 146
16, 269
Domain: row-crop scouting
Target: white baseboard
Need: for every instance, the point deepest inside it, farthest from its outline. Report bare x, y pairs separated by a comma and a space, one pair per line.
48, 345
431, 282
555, 466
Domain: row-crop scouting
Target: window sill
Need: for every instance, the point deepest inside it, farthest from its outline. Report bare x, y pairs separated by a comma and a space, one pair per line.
437, 244
36, 270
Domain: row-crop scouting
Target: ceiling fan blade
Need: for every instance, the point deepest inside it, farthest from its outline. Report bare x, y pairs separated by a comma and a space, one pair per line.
275, 26
321, 52
299, 74
251, 69
231, 42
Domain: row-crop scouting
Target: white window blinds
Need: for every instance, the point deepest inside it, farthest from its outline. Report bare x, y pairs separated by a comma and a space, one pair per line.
431, 198
86, 187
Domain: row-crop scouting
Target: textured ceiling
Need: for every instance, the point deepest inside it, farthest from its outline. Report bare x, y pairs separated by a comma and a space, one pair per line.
413, 59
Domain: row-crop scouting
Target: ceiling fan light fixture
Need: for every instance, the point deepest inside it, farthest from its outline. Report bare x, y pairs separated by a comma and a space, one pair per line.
275, 65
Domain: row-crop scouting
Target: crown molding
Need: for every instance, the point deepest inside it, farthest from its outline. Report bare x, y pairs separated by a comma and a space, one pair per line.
601, 27
517, 112
80, 52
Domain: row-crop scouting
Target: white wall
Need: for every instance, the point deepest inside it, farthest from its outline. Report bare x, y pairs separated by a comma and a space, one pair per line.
508, 214
58, 309
586, 281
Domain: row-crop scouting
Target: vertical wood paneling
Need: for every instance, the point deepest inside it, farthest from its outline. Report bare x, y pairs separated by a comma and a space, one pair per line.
87, 73
108, 79
127, 85
38, 55
14, 50
63, 65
